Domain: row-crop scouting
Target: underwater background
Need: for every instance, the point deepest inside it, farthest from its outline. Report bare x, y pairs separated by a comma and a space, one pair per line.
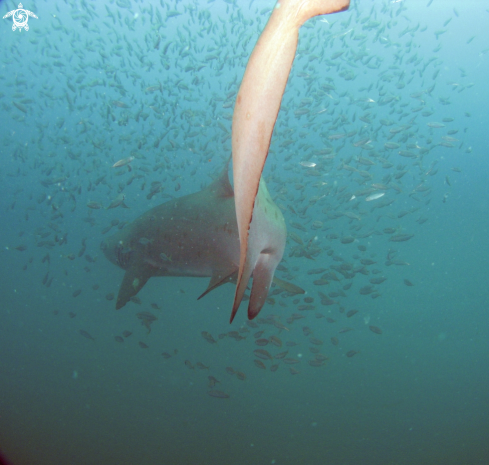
379, 164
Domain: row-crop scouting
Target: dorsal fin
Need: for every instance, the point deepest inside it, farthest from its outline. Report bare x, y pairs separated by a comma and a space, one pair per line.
221, 186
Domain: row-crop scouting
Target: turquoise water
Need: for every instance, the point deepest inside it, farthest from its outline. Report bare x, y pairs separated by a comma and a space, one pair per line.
91, 83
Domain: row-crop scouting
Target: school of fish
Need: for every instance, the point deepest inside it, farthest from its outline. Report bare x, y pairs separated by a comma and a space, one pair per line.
140, 112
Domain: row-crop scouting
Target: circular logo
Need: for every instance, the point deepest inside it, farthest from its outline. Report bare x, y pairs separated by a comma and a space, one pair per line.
20, 18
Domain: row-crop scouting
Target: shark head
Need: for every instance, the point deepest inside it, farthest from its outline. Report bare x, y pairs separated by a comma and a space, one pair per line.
115, 252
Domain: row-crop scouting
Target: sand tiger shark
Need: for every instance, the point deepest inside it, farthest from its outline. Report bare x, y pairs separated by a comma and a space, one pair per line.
255, 112
203, 229
196, 236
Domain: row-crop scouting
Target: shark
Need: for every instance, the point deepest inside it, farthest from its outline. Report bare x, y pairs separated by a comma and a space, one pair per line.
255, 113
225, 233
196, 236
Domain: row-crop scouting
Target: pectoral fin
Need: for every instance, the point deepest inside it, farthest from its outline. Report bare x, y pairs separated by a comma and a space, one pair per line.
134, 280
262, 280
218, 279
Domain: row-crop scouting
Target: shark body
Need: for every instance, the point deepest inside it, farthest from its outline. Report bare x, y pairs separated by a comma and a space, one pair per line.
195, 236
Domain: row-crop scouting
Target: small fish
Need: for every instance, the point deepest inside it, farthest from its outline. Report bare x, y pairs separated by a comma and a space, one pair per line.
86, 334
146, 319
289, 287
375, 329
263, 354
143, 345
362, 142
281, 355
218, 394
119, 339
94, 205
157, 43
306, 331
375, 196
172, 14
317, 363
208, 337
122, 162
307, 164
118, 103
119, 200
336, 136
401, 237
260, 364
212, 381
19, 106
154, 88
275, 341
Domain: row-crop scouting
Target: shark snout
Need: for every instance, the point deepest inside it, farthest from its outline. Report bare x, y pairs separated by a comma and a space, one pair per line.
108, 251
